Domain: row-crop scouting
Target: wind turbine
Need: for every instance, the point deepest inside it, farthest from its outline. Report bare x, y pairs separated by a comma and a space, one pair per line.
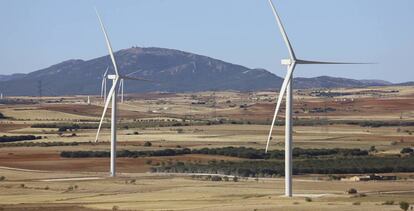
112, 95
122, 84
103, 85
287, 87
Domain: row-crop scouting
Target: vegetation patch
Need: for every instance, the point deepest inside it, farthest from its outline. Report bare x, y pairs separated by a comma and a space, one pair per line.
274, 168
5, 139
40, 144
240, 152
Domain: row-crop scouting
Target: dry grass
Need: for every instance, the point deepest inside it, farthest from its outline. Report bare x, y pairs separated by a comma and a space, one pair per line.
166, 192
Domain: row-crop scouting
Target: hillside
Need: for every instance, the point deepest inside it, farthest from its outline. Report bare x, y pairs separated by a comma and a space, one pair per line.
176, 71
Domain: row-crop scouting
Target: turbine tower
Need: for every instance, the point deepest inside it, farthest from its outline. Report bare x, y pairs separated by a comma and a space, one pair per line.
122, 85
287, 87
103, 85
112, 95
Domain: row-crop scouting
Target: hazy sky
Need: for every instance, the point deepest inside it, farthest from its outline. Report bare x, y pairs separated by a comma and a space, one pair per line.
37, 34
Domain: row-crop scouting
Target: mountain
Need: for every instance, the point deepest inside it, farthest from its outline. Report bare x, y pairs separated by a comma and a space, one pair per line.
173, 70
11, 77
332, 82
410, 83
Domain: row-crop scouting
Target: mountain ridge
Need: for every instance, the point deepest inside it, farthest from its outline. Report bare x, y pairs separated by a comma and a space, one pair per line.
175, 70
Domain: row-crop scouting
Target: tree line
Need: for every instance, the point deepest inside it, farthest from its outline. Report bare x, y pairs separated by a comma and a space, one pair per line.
5, 139
240, 152
274, 168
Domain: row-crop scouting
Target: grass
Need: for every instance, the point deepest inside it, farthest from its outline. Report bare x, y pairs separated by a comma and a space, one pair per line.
159, 192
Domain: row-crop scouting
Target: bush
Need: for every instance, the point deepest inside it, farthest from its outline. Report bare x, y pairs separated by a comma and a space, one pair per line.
404, 205
352, 191
235, 179
407, 150
308, 199
388, 203
356, 203
147, 144
216, 178
2, 178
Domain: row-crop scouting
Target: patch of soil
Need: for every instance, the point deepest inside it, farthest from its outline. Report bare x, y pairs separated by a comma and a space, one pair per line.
43, 207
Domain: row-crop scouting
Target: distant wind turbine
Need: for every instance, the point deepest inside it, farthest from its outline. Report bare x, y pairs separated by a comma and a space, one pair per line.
103, 85
287, 87
112, 95
122, 86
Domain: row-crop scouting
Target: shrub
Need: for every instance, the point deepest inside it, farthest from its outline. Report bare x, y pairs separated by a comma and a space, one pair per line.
216, 178
2, 178
388, 203
235, 179
352, 191
115, 208
404, 205
308, 199
147, 144
356, 203
407, 150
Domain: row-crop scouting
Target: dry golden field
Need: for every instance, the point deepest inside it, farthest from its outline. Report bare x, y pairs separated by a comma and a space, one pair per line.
37, 178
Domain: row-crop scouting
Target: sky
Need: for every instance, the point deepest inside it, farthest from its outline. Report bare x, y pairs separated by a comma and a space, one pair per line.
37, 34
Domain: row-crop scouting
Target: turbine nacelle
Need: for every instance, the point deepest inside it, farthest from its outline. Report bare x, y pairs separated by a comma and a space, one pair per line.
286, 62
112, 77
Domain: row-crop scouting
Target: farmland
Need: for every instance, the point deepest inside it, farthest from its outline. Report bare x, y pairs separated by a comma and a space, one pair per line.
378, 120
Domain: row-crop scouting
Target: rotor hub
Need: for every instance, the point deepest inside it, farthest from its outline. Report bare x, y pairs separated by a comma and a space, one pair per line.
286, 62
112, 77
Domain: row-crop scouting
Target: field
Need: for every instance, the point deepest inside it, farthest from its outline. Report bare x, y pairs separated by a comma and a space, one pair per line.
37, 177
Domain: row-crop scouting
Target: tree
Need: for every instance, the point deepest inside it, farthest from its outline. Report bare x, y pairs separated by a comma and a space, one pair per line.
404, 205
407, 150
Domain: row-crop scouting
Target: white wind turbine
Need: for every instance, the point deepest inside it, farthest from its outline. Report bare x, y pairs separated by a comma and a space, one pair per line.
103, 85
122, 85
287, 88
112, 95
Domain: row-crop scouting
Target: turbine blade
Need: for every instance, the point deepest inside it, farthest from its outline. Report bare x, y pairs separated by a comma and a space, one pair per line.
323, 62
136, 79
108, 43
132, 73
108, 100
282, 31
106, 72
279, 100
